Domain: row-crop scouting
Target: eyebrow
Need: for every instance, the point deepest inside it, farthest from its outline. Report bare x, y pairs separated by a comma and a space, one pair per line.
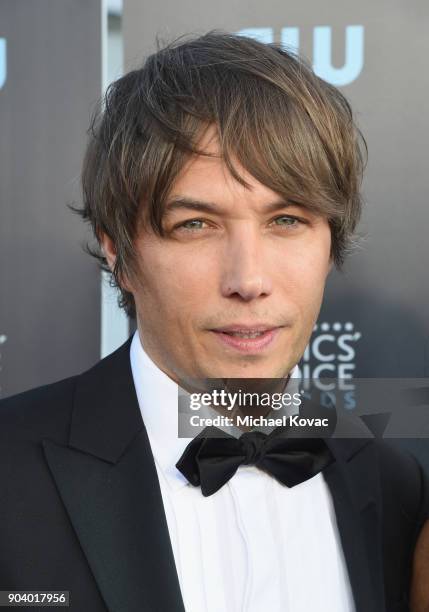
185, 203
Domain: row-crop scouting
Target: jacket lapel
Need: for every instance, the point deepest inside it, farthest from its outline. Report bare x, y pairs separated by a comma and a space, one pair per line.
107, 479
355, 486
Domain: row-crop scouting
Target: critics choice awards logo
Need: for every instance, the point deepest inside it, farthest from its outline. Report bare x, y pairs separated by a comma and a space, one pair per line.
331, 354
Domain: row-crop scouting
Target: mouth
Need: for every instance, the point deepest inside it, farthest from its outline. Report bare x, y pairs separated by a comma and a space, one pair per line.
247, 339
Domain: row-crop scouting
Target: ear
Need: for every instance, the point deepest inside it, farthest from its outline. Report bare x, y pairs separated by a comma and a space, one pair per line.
110, 253
109, 249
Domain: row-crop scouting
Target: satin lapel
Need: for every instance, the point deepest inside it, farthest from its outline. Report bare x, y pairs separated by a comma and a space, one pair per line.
107, 480
355, 487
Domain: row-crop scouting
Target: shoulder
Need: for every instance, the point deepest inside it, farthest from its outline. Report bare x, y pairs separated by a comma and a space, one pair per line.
39, 412
404, 483
46, 411
395, 461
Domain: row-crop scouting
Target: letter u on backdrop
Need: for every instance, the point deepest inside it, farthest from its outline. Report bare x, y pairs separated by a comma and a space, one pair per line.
3, 62
322, 50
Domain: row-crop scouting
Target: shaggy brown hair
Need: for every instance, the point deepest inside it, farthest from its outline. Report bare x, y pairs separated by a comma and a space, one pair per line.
289, 129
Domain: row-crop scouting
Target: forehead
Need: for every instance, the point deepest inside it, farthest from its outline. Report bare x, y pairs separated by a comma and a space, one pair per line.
208, 177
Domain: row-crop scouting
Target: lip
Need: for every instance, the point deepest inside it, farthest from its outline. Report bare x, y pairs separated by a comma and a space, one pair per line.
246, 327
247, 345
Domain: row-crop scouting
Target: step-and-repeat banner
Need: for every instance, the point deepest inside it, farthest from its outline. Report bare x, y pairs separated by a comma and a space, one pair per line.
374, 321
375, 317
50, 79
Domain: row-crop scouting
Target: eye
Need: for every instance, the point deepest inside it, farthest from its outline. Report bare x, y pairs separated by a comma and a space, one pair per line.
191, 225
197, 225
289, 221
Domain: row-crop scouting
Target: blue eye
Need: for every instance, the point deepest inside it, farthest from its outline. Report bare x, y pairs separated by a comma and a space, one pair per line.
188, 224
290, 221
196, 225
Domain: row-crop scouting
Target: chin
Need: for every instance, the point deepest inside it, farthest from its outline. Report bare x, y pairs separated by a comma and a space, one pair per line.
250, 371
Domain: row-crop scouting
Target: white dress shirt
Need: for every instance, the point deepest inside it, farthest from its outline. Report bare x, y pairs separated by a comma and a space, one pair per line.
255, 544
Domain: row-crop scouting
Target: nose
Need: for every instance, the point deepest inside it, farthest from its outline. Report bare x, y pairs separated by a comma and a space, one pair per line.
245, 270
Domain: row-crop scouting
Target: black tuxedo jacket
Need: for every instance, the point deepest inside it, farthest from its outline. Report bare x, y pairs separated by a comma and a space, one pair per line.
81, 508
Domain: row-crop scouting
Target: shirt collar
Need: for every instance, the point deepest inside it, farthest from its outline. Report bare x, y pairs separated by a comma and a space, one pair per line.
157, 395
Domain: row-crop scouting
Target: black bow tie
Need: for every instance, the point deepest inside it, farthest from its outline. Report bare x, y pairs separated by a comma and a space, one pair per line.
212, 461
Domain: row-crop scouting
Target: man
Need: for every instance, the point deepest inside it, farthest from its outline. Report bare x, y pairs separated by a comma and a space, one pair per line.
222, 184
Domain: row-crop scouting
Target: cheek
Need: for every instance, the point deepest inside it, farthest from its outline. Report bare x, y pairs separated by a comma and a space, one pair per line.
191, 280
302, 277
175, 283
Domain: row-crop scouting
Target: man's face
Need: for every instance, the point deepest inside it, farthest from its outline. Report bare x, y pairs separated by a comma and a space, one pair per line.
240, 265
